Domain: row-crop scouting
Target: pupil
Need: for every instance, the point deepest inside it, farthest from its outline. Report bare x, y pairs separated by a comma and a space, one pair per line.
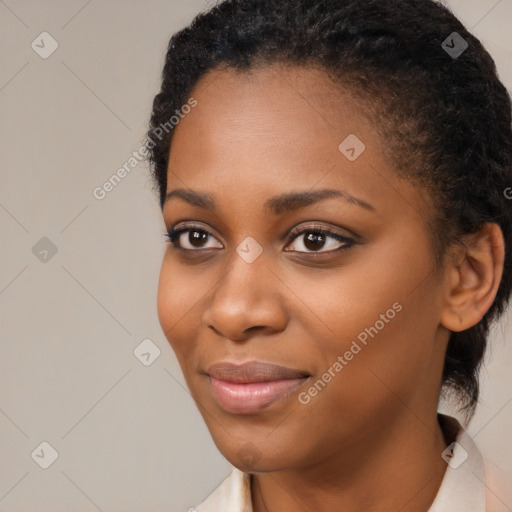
314, 241
197, 237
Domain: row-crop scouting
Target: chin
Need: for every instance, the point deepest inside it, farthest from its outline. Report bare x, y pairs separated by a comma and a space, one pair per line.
252, 456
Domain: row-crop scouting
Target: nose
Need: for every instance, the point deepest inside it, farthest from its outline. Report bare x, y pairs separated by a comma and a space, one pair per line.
247, 301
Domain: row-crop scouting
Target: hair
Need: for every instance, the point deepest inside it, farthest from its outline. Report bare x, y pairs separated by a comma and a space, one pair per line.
446, 120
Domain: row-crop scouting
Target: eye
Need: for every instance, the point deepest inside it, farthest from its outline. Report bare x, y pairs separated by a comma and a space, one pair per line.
314, 238
191, 238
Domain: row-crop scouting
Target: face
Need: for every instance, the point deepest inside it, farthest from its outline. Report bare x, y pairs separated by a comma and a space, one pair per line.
269, 268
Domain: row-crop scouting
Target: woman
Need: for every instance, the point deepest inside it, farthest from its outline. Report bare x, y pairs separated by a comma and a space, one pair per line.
332, 176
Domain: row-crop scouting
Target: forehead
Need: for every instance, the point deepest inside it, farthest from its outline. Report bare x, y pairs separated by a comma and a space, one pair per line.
290, 101
277, 127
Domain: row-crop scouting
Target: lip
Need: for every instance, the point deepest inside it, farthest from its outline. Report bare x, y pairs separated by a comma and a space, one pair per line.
253, 386
253, 371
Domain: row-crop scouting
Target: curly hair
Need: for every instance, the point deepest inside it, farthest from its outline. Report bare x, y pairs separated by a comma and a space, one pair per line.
446, 119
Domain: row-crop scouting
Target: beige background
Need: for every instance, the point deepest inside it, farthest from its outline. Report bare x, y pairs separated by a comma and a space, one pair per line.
128, 436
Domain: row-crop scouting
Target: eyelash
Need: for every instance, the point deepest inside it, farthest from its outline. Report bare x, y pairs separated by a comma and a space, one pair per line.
173, 238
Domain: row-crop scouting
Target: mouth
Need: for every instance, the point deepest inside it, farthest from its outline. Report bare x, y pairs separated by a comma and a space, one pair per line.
252, 386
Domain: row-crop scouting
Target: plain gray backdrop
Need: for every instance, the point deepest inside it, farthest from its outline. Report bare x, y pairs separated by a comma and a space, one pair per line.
78, 275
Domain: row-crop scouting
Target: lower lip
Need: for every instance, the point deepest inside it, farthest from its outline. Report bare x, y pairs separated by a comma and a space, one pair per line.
252, 397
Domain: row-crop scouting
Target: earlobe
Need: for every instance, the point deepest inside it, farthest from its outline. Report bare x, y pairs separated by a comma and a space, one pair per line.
473, 277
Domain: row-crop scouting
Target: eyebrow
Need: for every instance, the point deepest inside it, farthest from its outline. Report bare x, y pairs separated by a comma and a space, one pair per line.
277, 205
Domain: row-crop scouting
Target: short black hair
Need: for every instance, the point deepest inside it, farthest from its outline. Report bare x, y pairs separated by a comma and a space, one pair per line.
446, 118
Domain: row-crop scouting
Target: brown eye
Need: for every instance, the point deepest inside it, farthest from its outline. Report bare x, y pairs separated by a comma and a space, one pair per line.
312, 240
190, 239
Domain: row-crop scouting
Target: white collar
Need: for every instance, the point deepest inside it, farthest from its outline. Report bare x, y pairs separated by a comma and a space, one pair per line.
463, 484
462, 487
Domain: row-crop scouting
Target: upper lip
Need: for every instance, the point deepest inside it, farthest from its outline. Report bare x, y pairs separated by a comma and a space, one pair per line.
253, 371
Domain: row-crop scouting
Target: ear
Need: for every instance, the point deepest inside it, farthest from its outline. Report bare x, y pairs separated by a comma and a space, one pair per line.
473, 276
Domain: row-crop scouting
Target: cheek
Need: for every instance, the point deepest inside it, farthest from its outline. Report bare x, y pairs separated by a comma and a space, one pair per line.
381, 317
165, 299
353, 305
387, 359
178, 303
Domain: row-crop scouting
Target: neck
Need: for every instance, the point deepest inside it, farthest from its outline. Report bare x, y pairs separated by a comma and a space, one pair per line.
399, 468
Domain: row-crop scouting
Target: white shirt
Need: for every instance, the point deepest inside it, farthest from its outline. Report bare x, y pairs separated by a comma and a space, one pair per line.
470, 484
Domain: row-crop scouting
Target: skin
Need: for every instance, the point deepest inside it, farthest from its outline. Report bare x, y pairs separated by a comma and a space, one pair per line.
374, 425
